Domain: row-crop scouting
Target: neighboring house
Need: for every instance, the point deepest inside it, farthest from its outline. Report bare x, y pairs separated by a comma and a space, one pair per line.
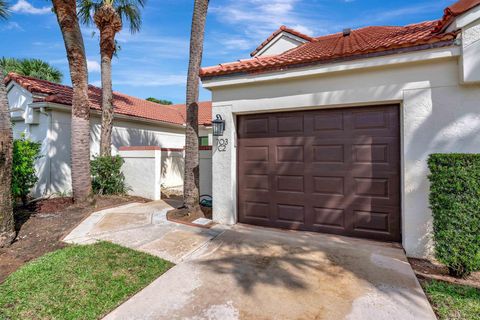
42, 111
332, 133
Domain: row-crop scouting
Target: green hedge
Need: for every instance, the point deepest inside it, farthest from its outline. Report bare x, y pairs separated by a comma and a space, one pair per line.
107, 177
24, 176
455, 203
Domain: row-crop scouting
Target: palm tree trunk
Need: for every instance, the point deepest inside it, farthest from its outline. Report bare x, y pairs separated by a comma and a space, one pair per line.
109, 23
80, 140
191, 194
7, 230
107, 107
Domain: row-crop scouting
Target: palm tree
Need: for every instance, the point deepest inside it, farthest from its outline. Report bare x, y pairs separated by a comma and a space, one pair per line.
108, 16
31, 67
66, 11
191, 195
7, 228
3, 10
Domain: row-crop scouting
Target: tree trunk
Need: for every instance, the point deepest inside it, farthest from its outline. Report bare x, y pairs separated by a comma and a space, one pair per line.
109, 23
7, 227
80, 140
107, 107
191, 196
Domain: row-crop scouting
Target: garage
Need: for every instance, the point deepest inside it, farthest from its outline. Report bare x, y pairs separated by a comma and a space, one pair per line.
331, 170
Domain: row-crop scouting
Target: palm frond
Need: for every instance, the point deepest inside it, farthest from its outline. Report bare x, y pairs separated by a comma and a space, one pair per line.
86, 10
130, 12
31, 67
4, 12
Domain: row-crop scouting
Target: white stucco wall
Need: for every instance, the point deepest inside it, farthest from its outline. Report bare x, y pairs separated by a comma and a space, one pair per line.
205, 172
438, 115
142, 171
173, 168
125, 133
471, 52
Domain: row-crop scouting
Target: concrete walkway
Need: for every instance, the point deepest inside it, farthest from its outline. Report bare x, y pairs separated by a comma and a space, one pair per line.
144, 227
247, 272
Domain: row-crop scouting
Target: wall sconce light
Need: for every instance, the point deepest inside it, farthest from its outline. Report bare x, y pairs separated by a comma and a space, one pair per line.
218, 126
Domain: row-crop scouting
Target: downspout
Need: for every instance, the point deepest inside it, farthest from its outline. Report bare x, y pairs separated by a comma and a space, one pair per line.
49, 162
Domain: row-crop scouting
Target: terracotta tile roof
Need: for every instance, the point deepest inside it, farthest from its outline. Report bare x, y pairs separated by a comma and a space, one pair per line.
334, 47
337, 46
280, 30
124, 104
454, 10
204, 112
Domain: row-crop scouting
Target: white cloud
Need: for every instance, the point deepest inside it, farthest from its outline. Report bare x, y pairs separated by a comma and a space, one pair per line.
13, 26
257, 19
93, 66
148, 79
303, 29
23, 6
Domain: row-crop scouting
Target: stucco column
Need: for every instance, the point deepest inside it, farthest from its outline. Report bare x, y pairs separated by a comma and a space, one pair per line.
224, 184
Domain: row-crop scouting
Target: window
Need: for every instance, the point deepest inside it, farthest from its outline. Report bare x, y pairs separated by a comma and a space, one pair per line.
203, 141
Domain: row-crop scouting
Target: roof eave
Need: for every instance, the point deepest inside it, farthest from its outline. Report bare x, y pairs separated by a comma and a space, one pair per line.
260, 70
67, 108
446, 51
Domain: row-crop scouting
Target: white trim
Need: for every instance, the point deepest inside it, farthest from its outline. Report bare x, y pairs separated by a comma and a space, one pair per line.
424, 55
270, 43
464, 19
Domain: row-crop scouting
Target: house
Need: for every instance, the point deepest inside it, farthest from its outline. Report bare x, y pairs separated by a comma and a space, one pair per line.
41, 110
332, 133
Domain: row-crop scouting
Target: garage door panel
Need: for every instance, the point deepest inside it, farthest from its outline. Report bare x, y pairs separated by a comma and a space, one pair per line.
255, 209
256, 182
290, 183
331, 171
328, 153
329, 218
328, 185
377, 222
290, 213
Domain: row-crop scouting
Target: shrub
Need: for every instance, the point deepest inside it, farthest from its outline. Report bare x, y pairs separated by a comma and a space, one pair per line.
24, 176
107, 177
455, 203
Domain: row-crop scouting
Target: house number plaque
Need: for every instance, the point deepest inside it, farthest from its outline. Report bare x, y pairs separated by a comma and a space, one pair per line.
222, 145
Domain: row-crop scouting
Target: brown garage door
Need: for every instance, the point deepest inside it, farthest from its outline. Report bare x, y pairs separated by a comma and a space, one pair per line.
334, 171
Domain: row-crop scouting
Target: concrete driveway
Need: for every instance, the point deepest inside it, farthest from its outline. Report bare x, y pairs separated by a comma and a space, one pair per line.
255, 273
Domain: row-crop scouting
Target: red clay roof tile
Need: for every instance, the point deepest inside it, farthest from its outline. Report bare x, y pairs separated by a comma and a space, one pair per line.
454, 10
337, 46
123, 104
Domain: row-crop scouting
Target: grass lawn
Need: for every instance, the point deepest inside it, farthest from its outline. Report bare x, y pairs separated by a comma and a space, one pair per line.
452, 301
78, 282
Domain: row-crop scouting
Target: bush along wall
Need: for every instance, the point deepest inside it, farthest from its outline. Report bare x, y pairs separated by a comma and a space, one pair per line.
455, 204
24, 175
107, 177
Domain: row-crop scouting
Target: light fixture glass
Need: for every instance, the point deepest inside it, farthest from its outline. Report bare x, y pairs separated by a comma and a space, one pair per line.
218, 126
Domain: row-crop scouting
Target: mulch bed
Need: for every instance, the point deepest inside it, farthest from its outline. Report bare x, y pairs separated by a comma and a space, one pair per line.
428, 270
181, 215
41, 226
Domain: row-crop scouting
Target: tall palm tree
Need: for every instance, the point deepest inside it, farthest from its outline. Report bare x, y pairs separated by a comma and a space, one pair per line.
191, 180
108, 16
31, 67
7, 230
66, 11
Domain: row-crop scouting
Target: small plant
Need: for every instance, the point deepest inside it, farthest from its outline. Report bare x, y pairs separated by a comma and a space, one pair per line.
24, 176
455, 203
107, 177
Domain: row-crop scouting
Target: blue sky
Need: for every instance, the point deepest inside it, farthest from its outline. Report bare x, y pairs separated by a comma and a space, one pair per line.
154, 61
